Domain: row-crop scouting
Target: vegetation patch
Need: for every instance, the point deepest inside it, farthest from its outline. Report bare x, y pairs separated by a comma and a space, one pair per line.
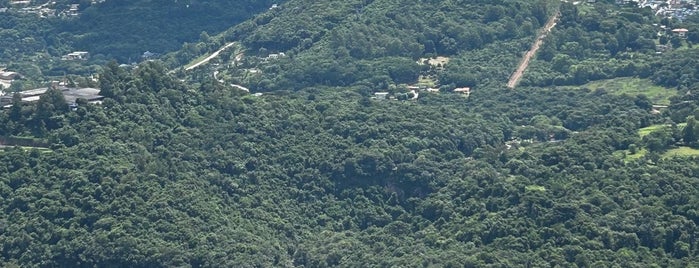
426, 81
436, 61
630, 157
647, 130
682, 151
650, 129
535, 188
634, 86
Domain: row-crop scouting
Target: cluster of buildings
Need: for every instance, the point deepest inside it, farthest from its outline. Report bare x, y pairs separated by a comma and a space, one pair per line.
678, 9
71, 95
414, 93
45, 10
6, 78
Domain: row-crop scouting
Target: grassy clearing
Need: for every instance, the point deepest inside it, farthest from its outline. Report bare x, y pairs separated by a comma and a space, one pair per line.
649, 129
638, 155
426, 81
535, 188
634, 86
681, 151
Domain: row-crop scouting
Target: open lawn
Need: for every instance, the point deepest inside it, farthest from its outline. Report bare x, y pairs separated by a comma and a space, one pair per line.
628, 157
647, 130
634, 86
681, 151
426, 81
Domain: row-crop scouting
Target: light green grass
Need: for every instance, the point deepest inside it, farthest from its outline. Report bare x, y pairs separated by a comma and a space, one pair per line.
584, 9
681, 151
638, 155
649, 129
426, 81
634, 86
535, 188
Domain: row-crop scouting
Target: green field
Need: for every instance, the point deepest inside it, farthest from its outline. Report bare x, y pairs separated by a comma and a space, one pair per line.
426, 81
640, 153
681, 151
647, 130
634, 86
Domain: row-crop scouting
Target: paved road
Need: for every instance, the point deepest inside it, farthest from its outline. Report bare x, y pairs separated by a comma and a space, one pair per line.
517, 75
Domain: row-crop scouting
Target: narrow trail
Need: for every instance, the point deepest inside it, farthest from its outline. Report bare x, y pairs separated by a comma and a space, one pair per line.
517, 75
210, 57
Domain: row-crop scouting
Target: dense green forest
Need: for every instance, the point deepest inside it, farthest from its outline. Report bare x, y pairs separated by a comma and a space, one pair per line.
166, 174
176, 168
121, 30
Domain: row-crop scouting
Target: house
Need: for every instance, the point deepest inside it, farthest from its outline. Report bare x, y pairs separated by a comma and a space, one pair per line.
8, 75
91, 95
74, 10
77, 55
275, 56
463, 90
5, 84
380, 96
681, 32
149, 55
19, 2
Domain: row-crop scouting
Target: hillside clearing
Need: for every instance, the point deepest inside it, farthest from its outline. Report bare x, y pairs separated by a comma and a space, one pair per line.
649, 129
634, 86
681, 151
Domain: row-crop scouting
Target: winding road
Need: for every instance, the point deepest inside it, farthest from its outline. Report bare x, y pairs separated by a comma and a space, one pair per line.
517, 75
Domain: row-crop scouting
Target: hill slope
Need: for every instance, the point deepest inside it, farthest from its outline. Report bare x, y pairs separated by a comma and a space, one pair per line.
171, 174
128, 28
377, 43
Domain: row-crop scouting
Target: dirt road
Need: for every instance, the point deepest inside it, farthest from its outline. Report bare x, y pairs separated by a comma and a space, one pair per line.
210, 57
517, 75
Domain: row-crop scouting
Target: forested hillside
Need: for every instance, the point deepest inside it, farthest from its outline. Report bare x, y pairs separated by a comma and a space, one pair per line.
606, 41
121, 30
179, 168
377, 43
170, 175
